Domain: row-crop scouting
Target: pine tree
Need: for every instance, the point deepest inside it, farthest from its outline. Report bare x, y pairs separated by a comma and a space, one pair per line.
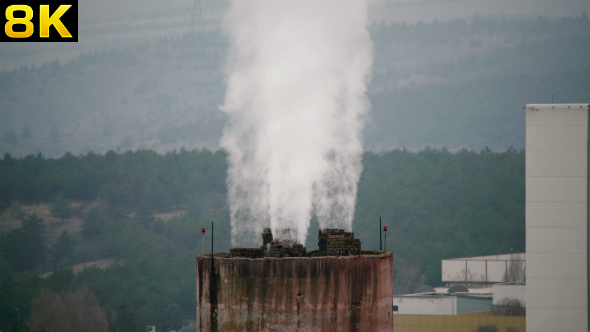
25, 248
64, 247
93, 224
126, 320
61, 208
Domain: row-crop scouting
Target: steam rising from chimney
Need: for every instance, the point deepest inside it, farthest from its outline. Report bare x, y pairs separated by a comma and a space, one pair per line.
297, 74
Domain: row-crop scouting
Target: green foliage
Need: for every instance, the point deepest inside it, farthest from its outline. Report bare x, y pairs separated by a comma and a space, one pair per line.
61, 208
93, 223
437, 204
59, 280
473, 113
5, 268
10, 136
206, 129
452, 32
126, 319
145, 217
171, 317
33, 230
20, 326
471, 98
67, 311
130, 180
17, 211
17, 293
25, 248
64, 247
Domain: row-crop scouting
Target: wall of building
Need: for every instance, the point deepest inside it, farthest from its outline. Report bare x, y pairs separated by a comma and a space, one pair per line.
502, 291
425, 305
352, 293
482, 269
471, 303
459, 323
441, 304
556, 217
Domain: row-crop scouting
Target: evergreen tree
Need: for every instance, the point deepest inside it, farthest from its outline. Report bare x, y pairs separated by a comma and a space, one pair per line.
64, 247
5, 268
61, 208
25, 248
93, 223
170, 317
33, 229
145, 217
126, 319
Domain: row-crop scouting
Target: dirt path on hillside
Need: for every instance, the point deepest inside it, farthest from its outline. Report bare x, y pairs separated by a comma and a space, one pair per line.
103, 264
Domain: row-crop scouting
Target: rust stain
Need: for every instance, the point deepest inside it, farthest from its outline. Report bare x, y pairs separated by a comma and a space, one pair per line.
327, 294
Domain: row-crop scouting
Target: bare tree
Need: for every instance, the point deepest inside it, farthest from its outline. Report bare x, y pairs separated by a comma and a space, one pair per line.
67, 312
486, 328
516, 271
508, 307
468, 276
408, 275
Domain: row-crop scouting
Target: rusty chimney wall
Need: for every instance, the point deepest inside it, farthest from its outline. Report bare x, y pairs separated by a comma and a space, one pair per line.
320, 294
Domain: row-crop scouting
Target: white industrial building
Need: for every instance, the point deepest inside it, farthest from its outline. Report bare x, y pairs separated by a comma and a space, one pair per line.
441, 304
509, 290
557, 139
482, 271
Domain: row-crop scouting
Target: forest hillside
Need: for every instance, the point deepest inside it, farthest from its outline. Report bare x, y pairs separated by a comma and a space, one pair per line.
458, 84
144, 212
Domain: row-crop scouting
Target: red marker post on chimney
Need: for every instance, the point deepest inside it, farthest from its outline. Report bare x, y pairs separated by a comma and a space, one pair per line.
385, 231
203, 230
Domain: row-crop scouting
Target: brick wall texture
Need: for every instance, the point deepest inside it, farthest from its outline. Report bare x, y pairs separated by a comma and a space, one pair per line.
331, 242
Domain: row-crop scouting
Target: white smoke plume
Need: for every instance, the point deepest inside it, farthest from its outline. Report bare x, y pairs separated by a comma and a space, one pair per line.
297, 74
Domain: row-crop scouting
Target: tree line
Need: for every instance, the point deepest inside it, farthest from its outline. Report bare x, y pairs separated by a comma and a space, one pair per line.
134, 180
436, 203
437, 32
